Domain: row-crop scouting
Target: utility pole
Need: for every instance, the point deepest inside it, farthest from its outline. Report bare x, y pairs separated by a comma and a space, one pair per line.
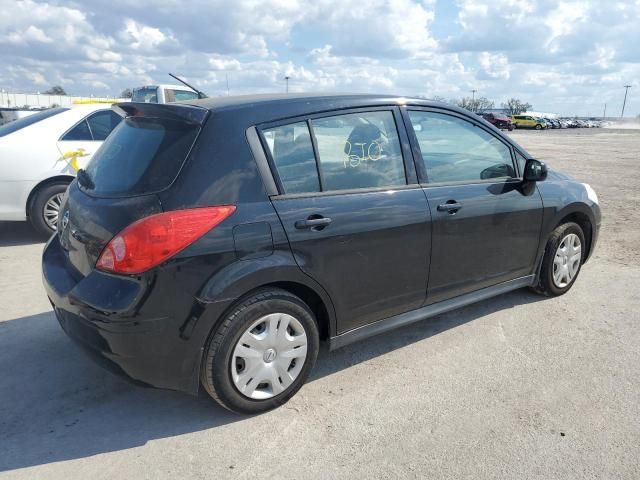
604, 114
473, 99
286, 79
626, 89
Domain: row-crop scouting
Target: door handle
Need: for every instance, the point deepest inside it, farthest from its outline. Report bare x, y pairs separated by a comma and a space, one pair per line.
313, 222
451, 206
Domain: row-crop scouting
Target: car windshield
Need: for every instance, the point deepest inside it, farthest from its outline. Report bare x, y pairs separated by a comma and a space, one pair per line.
145, 95
29, 120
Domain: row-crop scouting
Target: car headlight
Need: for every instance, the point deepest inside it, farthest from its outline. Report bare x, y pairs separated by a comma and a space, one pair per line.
591, 193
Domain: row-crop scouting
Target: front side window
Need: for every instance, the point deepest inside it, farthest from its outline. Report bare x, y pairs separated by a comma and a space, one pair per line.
292, 153
359, 150
455, 150
521, 162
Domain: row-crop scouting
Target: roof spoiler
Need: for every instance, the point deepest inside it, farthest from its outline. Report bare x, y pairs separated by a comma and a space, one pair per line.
174, 111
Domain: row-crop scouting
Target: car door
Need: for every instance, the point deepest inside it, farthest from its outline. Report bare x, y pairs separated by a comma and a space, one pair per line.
485, 222
80, 142
354, 222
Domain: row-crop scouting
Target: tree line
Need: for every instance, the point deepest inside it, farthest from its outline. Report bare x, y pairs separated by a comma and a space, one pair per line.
58, 90
513, 106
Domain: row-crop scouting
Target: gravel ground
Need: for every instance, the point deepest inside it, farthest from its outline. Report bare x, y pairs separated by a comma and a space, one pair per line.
514, 387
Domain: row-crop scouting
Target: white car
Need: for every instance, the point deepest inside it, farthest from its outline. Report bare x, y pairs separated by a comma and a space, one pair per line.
163, 94
40, 155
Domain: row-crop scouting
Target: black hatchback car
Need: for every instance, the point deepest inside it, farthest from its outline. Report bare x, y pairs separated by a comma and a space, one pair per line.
216, 243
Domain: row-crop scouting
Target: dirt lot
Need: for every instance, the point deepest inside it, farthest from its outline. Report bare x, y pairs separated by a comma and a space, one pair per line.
515, 387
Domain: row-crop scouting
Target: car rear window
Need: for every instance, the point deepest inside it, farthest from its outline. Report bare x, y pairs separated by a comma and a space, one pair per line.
145, 95
29, 120
142, 155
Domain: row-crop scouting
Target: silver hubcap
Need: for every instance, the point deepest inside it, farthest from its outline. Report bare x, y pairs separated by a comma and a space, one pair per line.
269, 356
51, 211
567, 260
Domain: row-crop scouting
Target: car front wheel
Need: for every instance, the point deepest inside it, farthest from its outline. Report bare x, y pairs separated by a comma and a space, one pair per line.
262, 352
562, 260
45, 207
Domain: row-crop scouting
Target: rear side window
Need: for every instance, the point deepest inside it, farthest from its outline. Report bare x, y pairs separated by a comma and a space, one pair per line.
142, 155
96, 126
292, 153
102, 123
29, 120
455, 150
359, 150
81, 132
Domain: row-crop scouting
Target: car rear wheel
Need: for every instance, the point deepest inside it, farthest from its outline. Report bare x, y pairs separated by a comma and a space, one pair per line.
45, 207
563, 257
262, 352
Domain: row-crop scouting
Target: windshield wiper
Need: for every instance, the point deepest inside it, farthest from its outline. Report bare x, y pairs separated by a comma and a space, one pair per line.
85, 180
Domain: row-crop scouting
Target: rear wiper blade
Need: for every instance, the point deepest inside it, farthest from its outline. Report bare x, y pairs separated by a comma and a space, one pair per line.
85, 180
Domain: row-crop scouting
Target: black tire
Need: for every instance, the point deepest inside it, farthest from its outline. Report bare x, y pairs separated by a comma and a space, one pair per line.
538, 127
546, 285
36, 208
216, 367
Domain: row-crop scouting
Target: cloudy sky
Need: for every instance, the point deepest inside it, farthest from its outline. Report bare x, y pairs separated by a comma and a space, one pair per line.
568, 57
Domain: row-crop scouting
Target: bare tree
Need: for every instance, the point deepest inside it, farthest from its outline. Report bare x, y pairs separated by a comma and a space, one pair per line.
55, 90
476, 105
126, 93
438, 98
516, 107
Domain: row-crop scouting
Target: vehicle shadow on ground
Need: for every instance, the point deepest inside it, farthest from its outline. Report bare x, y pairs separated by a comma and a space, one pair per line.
18, 233
56, 405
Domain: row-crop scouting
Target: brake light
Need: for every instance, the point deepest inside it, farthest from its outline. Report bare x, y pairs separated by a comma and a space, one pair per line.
154, 239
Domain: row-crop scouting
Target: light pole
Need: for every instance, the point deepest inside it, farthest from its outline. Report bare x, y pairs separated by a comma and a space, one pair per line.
286, 79
473, 99
626, 89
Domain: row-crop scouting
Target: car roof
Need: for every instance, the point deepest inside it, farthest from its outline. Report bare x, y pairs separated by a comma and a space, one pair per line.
302, 103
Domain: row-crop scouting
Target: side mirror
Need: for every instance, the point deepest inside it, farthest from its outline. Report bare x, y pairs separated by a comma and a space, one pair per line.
535, 171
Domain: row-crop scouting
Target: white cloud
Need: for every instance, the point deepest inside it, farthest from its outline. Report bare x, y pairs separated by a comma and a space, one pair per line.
556, 54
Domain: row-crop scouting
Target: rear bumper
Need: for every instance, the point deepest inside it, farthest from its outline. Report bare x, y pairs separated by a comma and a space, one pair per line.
120, 323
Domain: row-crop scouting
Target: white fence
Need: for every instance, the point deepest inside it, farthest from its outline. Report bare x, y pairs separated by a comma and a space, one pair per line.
30, 100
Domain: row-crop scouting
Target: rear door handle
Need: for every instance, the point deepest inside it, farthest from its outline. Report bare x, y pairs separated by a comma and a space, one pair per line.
313, 223
451, 206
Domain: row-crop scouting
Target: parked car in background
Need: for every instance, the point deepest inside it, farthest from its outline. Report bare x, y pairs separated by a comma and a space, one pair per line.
163, 94
527, 121
499, 120
214, 243
40, 155
542, 122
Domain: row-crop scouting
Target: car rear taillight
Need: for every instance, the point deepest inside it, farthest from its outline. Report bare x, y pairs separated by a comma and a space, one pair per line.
154, 239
